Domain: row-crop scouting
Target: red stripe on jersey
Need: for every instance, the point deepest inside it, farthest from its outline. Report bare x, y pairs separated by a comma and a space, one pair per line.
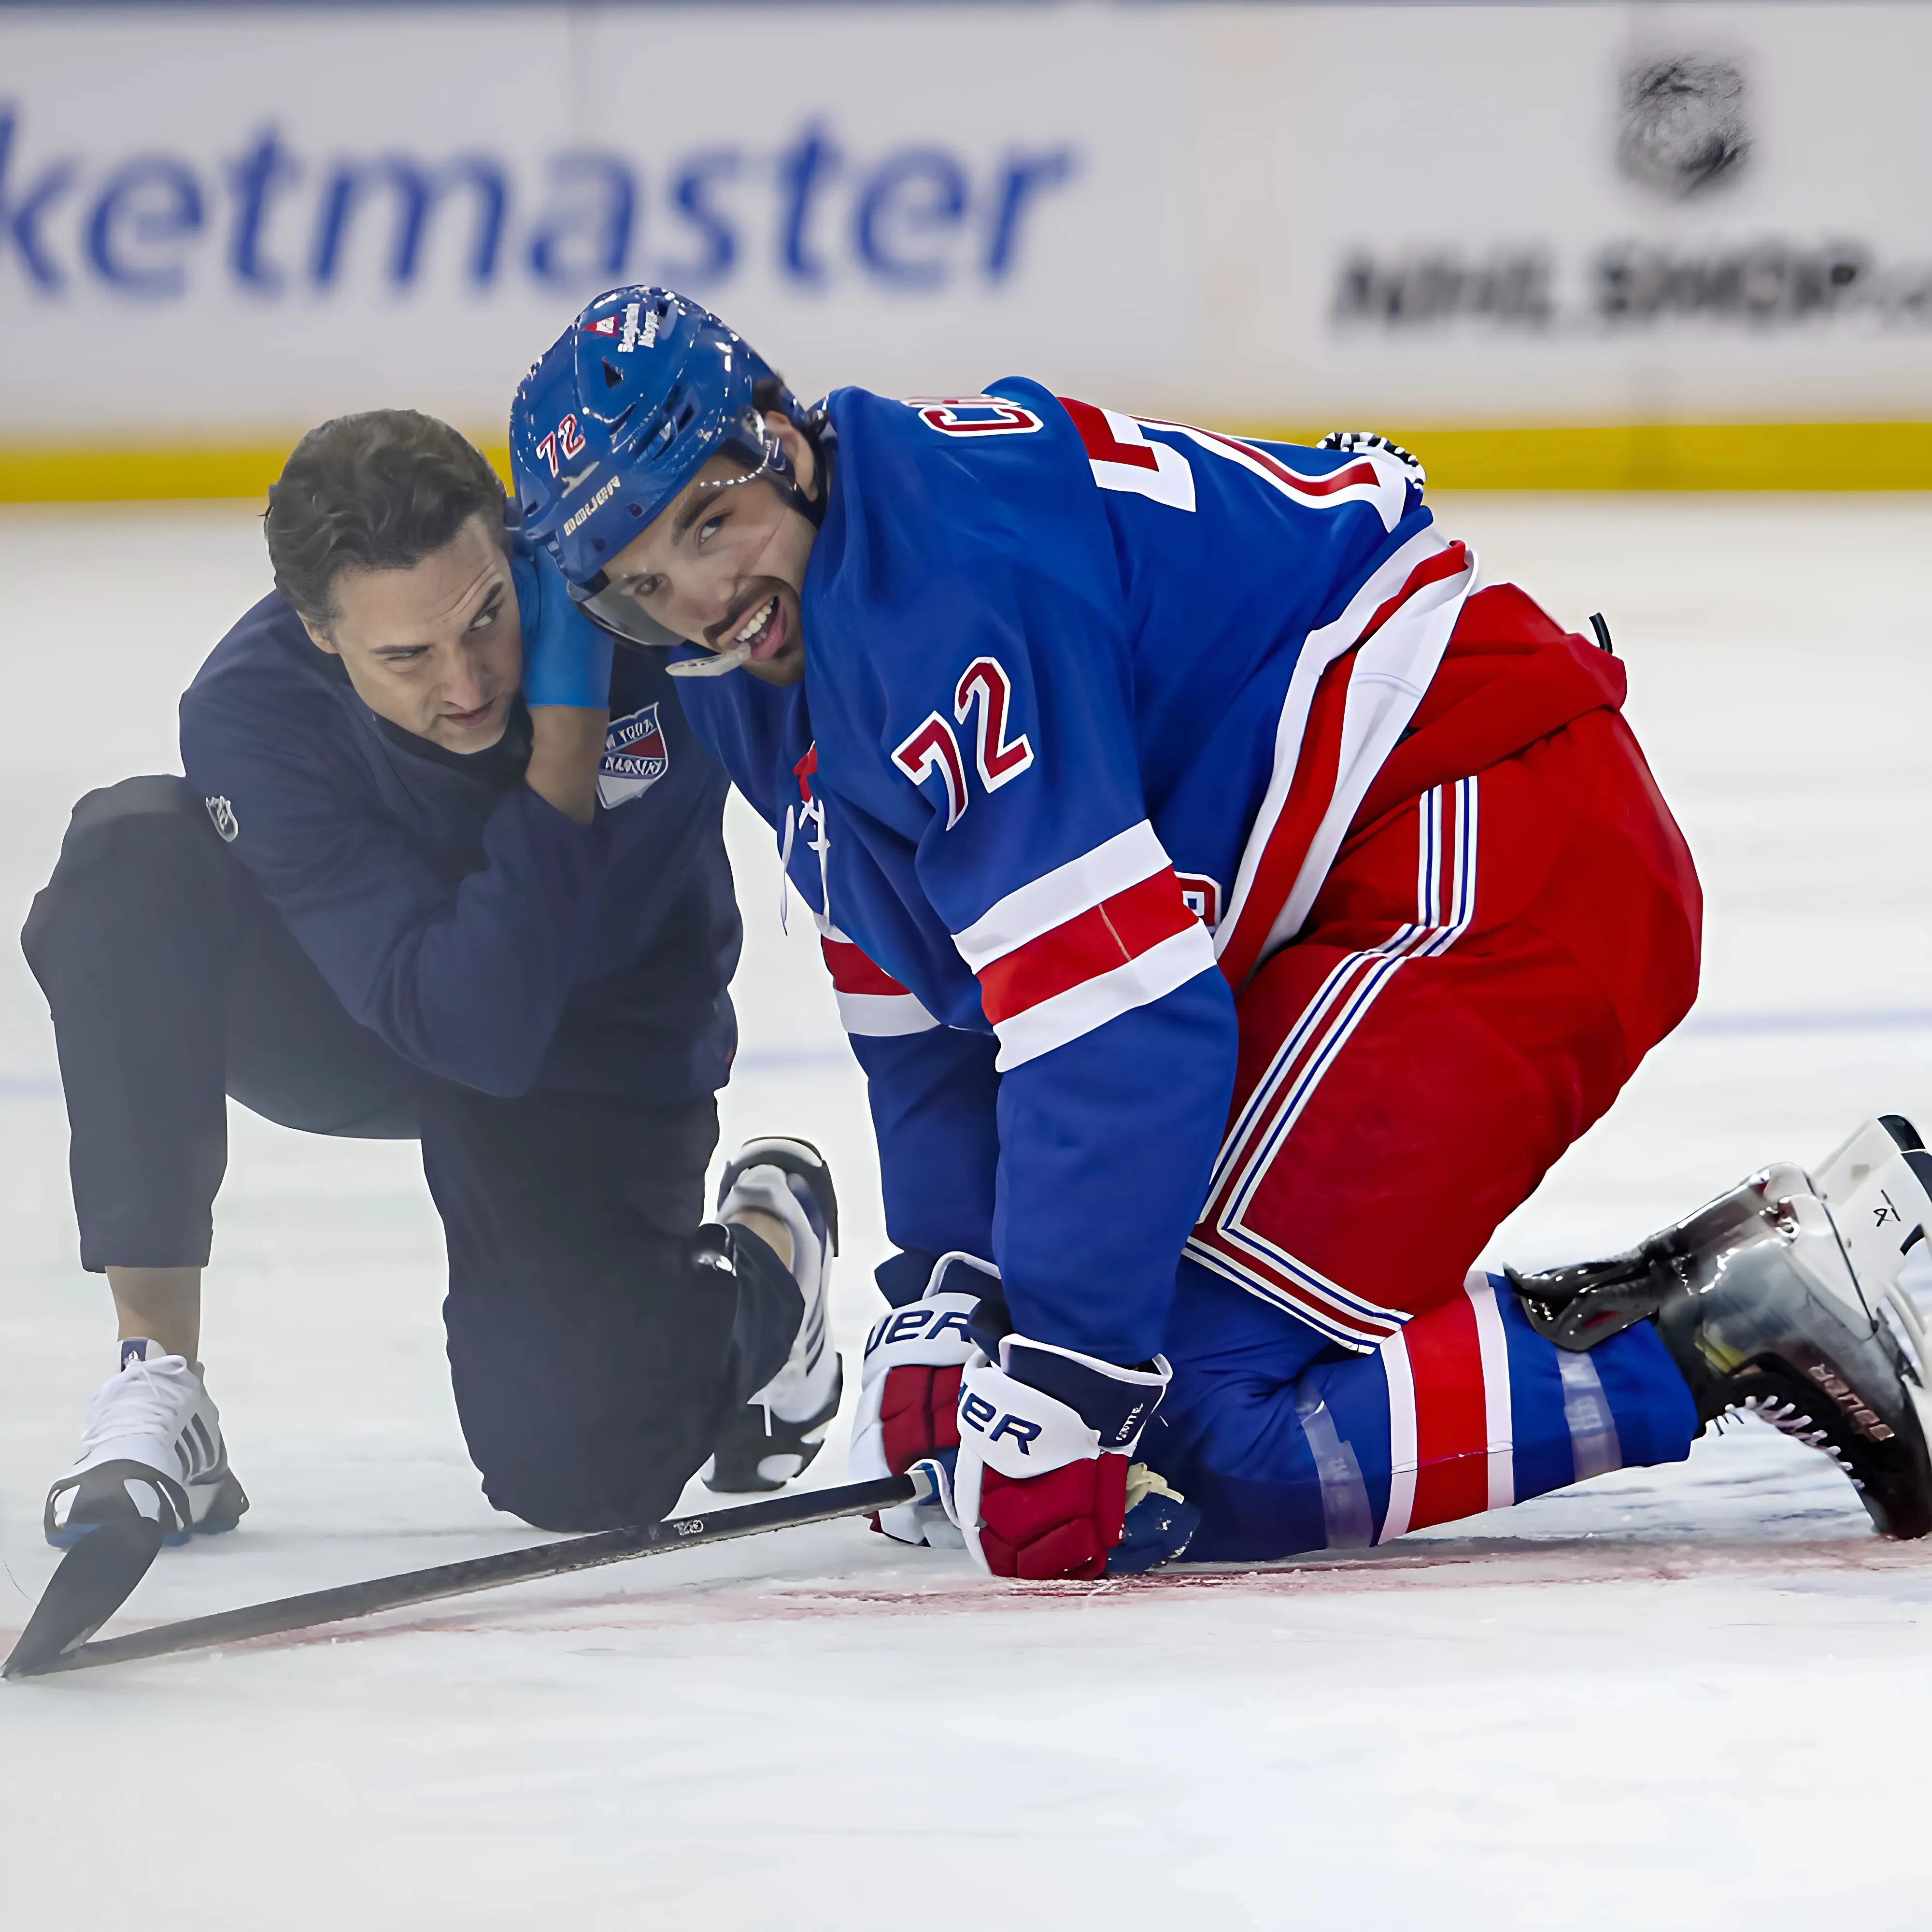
1445, 563
1317, 768
1098, 940
852, 972
1356, 476
1102, 445
1316, 765
1452, 1431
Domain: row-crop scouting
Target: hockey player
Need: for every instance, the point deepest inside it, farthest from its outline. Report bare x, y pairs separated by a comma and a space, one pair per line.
420, 882
1236, 911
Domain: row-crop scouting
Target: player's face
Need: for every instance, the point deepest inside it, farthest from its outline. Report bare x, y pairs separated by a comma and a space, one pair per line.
437, 650
723, 566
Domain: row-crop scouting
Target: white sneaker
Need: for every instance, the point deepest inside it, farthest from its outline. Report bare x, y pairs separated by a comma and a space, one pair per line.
784, 1425
151, 1446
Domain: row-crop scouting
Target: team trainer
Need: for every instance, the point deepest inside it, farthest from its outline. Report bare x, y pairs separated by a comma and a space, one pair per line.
439, 868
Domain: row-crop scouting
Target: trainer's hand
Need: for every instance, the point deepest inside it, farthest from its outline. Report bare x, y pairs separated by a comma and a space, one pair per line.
566, 658
909, 1390
1040, 1488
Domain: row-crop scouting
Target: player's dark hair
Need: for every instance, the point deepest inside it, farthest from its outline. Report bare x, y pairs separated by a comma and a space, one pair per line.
378, 491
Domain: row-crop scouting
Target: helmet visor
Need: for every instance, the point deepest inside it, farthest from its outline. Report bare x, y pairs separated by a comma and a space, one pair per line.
612, 608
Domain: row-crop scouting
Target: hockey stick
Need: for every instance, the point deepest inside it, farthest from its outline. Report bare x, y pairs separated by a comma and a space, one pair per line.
49, 1647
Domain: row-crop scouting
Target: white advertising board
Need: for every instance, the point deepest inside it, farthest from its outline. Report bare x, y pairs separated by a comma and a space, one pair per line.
1595, 214
227, 222
223, 225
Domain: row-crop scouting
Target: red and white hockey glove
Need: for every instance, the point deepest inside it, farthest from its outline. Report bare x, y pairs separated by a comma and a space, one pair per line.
909, 1390
1046, 1441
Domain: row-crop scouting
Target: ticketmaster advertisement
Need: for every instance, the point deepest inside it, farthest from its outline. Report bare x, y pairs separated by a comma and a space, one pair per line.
218, 226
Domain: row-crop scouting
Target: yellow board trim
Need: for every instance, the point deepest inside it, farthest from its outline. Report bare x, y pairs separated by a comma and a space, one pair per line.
155, 472
1641, 456
1674, 456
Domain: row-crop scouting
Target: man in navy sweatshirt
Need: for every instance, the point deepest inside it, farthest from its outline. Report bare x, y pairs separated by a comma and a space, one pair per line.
438, 869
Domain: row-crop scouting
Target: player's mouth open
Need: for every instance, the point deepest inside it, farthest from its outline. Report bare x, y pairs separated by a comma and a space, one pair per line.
762, 635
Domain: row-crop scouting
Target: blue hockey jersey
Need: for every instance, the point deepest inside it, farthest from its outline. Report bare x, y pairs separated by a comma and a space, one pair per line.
488, 938
1090, 701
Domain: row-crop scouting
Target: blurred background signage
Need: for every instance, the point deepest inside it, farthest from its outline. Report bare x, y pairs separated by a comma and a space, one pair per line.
1593, 243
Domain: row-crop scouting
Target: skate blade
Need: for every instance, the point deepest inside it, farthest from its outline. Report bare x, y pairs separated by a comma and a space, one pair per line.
95, 1578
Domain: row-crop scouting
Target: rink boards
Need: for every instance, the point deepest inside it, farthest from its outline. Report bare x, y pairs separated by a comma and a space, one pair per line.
1593, 245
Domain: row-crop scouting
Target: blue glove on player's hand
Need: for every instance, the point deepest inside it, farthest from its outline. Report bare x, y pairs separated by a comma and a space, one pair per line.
566, 658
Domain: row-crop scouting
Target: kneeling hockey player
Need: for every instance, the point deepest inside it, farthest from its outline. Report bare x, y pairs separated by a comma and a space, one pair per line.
1236, 911
420, 880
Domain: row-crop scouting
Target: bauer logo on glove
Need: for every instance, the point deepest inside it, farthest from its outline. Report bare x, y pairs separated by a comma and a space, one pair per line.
909, 1389
1042, 1480
976, 1412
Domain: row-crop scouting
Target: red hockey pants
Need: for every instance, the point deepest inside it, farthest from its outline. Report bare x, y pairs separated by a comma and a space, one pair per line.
1513, 923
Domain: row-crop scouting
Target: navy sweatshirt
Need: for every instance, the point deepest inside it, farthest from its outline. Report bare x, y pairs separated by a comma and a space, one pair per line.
488, 938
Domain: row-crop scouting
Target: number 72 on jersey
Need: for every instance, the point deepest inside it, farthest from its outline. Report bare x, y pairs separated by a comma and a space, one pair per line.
985, 693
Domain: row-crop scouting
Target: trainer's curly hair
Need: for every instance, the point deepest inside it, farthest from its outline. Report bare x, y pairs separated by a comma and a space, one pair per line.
381, 491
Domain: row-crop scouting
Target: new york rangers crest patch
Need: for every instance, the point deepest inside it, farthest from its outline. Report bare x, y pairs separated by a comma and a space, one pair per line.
635, 757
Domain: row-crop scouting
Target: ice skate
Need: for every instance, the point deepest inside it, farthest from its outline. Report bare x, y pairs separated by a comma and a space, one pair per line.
151, 1446
1774, 1299
776, 1435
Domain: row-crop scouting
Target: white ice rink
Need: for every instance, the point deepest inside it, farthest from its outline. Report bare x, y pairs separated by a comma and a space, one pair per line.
1686, 1699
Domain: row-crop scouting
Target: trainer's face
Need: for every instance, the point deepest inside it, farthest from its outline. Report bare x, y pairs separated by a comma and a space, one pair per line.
436, 648
724, 566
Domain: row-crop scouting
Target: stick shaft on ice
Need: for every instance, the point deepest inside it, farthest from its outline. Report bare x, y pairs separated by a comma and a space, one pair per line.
317, 1607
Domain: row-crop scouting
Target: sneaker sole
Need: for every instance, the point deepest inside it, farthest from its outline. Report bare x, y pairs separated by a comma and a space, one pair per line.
745, 1445
224, 1513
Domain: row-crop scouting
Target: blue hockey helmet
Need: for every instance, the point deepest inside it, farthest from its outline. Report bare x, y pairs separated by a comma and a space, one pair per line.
625, 408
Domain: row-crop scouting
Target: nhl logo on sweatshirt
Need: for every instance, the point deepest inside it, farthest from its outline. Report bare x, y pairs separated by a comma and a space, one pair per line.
635, 757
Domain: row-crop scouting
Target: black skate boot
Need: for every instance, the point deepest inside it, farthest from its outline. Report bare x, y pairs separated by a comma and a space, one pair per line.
776, 1435
1773, 1299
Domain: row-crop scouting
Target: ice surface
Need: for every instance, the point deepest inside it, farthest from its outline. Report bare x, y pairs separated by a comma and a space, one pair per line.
1666, 1700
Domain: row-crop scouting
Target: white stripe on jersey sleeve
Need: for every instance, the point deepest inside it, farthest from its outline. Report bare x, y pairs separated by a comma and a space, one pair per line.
883, 1015
1062, 894
1139, 982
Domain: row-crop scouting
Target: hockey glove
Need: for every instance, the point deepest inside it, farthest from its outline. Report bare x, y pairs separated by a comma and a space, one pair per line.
909, 1392
566, 658
1047, 1436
